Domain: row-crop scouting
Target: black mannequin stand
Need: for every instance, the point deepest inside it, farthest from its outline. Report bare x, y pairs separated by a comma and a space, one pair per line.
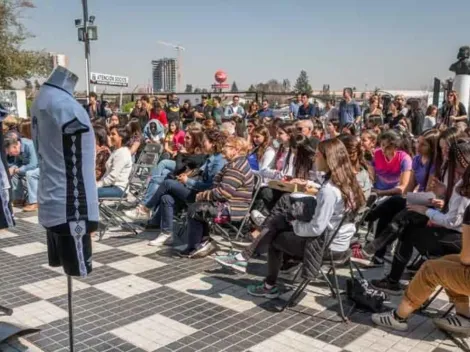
69, 298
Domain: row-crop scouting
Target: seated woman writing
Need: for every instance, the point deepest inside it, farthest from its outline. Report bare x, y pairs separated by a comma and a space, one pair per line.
433, 233
340, 193
450, 272
183, 190
229, 197
298, 170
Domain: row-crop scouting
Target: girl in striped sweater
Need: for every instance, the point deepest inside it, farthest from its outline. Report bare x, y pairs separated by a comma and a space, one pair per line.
232, 191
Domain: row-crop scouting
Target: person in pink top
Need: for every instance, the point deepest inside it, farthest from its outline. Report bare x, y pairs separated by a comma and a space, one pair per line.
174, 139
392, 166
157, 113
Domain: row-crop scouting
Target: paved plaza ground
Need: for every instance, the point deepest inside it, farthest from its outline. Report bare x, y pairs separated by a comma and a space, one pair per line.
141, 298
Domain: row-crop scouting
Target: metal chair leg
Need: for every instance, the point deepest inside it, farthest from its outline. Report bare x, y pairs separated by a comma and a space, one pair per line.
431, 299
338, 293
295, 295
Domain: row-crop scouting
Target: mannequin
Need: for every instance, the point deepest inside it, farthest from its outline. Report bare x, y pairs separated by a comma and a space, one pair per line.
67, 195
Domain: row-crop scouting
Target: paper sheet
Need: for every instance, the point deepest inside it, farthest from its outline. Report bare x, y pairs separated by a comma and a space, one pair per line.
420, 198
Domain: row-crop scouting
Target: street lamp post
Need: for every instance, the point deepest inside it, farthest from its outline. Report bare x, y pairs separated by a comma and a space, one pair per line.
87, 31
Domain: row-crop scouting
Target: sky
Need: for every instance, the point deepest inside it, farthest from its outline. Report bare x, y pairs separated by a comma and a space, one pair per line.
399, 44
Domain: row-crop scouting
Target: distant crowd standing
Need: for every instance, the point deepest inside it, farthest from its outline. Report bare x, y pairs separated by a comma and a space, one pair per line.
338, 157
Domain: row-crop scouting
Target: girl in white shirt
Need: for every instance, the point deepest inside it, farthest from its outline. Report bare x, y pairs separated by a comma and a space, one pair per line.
118, 167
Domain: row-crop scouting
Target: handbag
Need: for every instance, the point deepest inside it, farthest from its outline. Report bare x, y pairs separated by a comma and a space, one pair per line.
365, 297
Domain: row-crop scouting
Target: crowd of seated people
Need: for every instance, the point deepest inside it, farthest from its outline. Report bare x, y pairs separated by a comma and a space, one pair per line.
211, 156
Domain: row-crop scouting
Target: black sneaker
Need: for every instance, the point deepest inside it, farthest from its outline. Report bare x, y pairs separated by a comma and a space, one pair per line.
185, 253
377, 262
387, 286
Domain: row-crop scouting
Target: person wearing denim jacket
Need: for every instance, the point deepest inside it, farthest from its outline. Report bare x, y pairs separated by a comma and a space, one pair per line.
183, 190
24, 169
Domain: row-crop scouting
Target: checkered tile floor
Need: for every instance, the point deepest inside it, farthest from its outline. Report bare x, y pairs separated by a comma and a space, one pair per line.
141, 298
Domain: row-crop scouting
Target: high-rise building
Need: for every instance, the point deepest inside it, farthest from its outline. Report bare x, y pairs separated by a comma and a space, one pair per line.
164, 75
58, 60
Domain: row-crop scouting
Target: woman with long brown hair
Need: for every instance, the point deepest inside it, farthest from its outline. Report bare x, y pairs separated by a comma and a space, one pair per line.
135, 131
361, 168
262, 155
340, 193
453, 110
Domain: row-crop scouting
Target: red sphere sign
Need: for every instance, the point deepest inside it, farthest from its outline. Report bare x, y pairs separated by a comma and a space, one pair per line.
220, 76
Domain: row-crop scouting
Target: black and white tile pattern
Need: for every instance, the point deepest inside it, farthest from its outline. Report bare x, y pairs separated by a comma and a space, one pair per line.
141, 299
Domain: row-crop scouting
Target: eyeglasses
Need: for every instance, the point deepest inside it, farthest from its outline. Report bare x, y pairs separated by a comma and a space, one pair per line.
300, 129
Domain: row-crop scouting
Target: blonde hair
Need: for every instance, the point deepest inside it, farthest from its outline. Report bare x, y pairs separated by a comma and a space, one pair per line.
241, 144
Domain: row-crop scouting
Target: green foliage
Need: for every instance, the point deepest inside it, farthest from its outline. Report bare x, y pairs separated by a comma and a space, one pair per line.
234, 87
29, 103
15, 62
302, 84
127, 108
189, 88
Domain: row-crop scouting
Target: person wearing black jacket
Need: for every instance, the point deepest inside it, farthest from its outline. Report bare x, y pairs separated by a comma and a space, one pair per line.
416, 116
141, 113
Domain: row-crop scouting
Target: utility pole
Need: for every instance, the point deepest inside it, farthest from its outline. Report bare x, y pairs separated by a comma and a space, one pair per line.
87, 48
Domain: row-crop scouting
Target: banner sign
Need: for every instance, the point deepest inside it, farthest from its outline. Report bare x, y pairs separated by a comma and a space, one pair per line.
108, 80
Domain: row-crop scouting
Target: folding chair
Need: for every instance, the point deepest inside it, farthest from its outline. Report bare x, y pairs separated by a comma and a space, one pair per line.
110, 208
148, 159
334, 287
227, 234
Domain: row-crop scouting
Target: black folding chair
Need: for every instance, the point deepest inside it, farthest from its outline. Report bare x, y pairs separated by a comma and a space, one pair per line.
334, 287
148, 159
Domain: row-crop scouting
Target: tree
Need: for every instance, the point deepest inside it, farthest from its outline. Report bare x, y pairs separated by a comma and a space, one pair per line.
286, 85
204, 90
252, 88
15, 62
234, 87
302, 85
189, 88
197, 90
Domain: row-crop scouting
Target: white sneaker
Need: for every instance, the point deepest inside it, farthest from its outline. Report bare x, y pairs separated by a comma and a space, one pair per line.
165, 239
455, 324
257, 217
137, 214
388, 320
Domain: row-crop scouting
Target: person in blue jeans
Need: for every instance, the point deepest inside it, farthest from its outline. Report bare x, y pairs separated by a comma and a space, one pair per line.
191, 157
184, 189
23, 168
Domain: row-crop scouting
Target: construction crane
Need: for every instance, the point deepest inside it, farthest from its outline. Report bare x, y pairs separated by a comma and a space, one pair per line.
179, 71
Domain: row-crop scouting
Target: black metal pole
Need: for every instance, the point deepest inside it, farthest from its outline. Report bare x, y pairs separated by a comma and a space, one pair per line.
69, 297
87, 46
